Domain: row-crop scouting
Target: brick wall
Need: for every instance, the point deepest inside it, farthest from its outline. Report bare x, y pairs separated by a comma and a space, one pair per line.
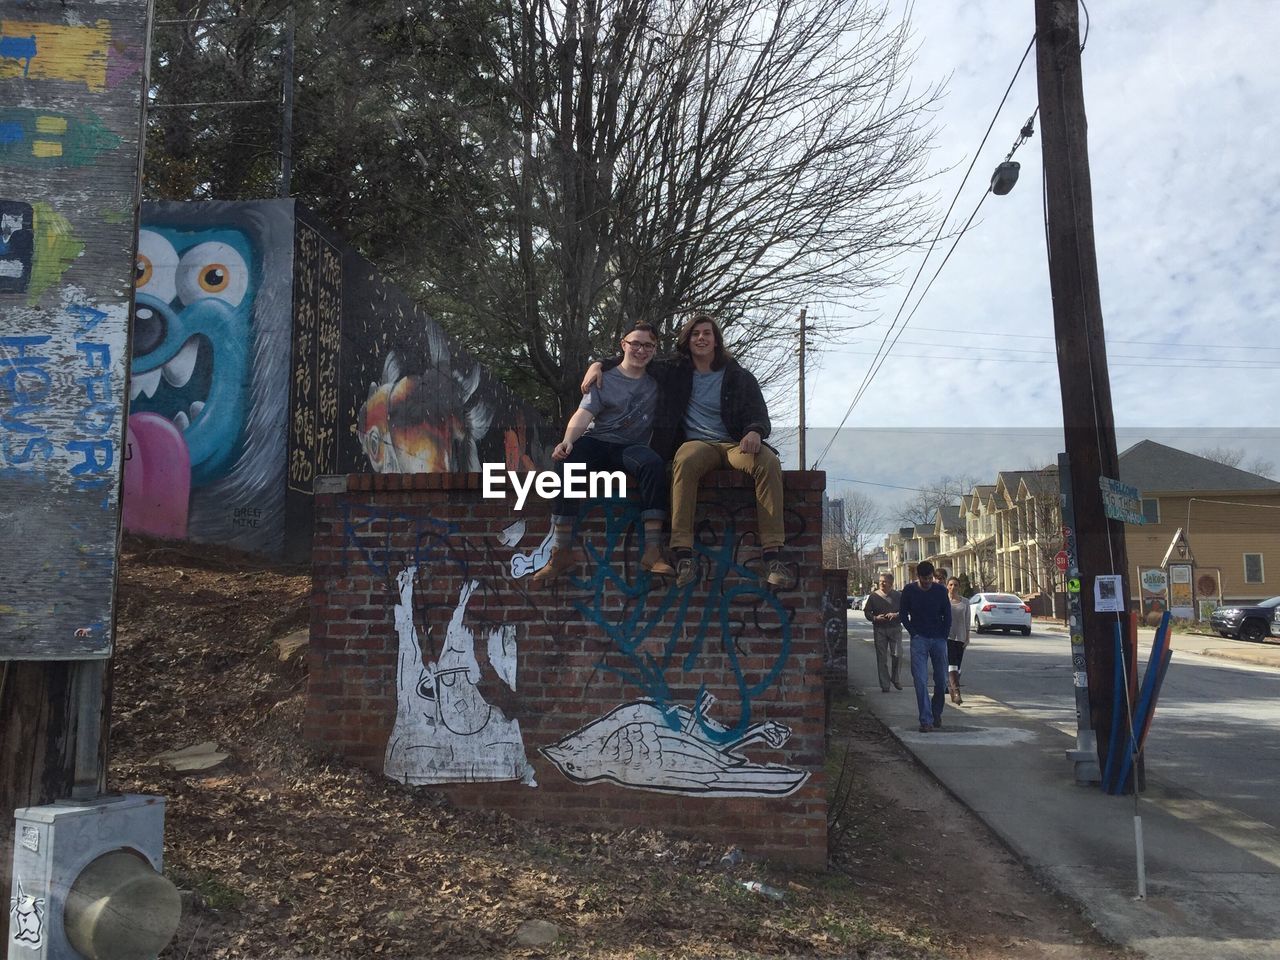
590, 687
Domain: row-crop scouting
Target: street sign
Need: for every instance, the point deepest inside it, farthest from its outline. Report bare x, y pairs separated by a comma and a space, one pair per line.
1121, 501
1061, 561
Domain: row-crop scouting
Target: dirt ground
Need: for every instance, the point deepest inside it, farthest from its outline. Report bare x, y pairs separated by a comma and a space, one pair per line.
287, 853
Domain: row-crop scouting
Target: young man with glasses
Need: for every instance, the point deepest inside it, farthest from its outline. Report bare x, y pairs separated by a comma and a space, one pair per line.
610, 430
712, 415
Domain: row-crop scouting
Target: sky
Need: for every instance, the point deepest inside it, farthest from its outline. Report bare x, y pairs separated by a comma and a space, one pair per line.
1184, 136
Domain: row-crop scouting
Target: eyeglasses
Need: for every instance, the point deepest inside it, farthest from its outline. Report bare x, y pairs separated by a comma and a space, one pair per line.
640, 346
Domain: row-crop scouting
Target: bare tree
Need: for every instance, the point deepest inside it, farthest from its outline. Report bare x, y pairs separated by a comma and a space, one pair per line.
736, 156
922, 509
1235, 457
851, 547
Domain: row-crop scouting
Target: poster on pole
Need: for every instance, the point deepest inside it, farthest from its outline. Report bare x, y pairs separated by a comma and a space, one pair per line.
72, 79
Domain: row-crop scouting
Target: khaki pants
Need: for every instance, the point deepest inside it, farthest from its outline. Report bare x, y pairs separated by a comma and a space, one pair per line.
696, 458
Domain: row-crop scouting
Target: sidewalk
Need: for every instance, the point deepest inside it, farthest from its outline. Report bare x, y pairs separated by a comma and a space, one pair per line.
1213, 876
1265, 654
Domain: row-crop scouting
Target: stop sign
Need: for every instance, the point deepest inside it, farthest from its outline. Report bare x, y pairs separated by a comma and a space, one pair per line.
1060, 561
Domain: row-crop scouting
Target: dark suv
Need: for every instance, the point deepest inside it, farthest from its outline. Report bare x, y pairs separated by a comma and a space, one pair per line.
1252, 623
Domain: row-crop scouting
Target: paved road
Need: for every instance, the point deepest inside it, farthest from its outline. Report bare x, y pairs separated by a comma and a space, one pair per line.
1216, 731
1211, 816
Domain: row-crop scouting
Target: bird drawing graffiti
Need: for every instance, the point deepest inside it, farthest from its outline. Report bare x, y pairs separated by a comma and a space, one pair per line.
645, 745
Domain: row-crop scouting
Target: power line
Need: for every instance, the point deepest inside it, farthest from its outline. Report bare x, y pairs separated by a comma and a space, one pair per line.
867, 378
1183, 364
1053, 353
1145, 343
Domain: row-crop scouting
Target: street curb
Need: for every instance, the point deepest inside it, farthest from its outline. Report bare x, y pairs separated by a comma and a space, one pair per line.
1041, 874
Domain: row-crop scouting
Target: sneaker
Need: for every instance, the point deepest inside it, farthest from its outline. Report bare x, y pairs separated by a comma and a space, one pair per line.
896, 684
653, 561
779, 576
561, 561
686, 571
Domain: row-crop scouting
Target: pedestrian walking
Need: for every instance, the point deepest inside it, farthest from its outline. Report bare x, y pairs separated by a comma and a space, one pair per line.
957, 638
881, 608
925, 612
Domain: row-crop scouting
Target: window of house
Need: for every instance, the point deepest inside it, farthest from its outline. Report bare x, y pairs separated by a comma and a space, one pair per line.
1150, 509
1253, 568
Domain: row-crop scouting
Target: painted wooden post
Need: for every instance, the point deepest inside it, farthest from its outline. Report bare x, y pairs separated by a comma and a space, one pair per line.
72, 82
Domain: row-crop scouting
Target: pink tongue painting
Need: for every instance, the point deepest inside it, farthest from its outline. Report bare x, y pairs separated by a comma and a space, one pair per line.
157, 478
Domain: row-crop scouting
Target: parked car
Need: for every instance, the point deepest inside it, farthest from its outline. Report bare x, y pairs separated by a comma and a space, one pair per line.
856, 603
1252, 622
999, 611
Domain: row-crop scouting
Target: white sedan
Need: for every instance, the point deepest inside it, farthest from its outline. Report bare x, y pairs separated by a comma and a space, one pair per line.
999, 611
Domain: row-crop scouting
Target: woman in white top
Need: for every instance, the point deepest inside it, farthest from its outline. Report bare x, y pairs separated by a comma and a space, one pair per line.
958, 639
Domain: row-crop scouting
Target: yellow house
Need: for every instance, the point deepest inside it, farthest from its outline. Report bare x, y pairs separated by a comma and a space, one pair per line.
1230, 518
1004, 536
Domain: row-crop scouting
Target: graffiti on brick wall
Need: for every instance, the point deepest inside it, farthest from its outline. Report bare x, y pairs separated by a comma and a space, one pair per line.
209, 369
445, 731
654, 636
643, 744
681, 747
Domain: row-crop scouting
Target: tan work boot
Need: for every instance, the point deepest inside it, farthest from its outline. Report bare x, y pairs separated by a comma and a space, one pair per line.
653, 561
561, 561
954, 682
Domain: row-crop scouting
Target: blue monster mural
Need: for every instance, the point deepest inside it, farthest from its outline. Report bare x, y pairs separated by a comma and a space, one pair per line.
209, 370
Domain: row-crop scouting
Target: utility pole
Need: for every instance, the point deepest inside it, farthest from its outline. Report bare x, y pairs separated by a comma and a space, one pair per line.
804, 312
1082, 354
286, 124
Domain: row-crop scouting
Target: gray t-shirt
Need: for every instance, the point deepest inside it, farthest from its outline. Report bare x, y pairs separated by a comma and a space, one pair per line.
702, 419
623, 408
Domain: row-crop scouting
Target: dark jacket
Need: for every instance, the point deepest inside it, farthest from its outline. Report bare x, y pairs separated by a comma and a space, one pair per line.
742, 406
925, 613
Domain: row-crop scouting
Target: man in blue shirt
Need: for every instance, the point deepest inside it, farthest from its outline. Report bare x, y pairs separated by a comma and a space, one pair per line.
925, 612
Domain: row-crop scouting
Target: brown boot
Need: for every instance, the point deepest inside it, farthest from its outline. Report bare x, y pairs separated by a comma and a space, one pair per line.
953, 681
562, 560
653, 561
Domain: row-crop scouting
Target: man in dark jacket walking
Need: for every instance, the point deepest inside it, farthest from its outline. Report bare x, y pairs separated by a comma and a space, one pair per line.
925, 612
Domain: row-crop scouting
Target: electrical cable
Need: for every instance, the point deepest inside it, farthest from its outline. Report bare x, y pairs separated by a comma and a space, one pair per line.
866, 381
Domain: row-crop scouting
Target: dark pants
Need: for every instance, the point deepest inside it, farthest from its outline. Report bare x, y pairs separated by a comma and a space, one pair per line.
644, 467
955, 654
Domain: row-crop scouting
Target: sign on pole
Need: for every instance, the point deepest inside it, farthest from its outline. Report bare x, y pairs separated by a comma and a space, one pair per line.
1121, 501
71, 85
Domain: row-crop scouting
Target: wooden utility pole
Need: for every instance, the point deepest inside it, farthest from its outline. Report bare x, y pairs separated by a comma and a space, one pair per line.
804, 312
1082, 354
286, 120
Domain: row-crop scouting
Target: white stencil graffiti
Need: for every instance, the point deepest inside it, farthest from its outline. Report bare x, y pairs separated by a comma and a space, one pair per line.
502, 653
445, 731
636, 745
27, 928
512, 534
523, 564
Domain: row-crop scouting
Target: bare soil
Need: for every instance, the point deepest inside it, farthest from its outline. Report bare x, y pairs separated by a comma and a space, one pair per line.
288, 853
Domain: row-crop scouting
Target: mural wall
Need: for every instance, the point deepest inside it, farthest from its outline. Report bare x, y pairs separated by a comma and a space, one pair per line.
435, 659
70, 125
266, 353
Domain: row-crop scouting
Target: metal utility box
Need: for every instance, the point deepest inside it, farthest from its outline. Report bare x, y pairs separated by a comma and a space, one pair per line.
52, 846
